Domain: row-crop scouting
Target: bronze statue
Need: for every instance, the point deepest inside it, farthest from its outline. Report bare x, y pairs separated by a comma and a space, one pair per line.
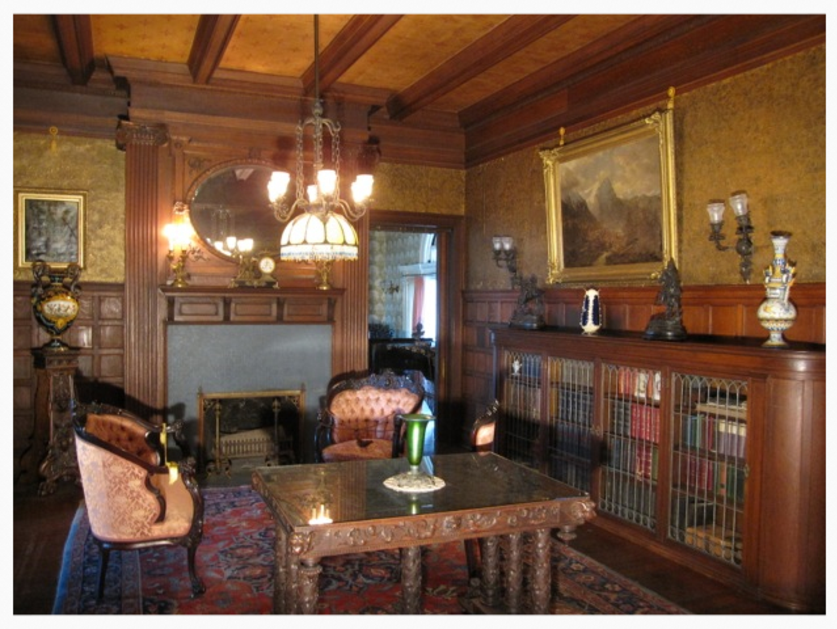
668, 325
529, 311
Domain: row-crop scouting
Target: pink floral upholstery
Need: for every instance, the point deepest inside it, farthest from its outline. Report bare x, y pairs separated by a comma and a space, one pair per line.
361, 417
121, 506
132, 499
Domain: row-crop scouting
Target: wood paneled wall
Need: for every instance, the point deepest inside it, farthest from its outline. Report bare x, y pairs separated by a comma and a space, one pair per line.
98, 332
716, 310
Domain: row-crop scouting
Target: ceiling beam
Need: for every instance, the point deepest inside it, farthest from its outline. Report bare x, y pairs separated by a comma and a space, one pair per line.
501, 42
75, 41
705, 53
212, 37
358, 35
629, 40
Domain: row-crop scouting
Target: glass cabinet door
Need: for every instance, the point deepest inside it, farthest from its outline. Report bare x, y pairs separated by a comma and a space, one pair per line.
519, 434
570, 421
630, 444
708, 465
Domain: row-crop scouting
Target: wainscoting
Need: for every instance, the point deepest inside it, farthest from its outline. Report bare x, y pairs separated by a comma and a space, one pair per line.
99, 332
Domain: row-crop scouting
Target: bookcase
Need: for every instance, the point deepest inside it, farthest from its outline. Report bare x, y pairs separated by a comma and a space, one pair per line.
709, 451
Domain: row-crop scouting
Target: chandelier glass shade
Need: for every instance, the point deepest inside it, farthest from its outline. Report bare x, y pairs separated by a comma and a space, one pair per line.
315, 237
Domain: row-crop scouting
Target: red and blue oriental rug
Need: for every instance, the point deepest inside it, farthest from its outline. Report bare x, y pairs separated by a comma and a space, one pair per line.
235, 561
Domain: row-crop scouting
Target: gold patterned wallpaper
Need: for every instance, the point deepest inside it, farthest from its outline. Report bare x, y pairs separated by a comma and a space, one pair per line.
419, 189
762, 131
388, 251
94, 166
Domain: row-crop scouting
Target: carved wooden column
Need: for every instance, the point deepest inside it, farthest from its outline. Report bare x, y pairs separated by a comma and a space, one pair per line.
144, 375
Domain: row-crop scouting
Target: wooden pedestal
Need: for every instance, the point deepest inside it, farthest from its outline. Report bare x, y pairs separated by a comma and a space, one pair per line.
52, 452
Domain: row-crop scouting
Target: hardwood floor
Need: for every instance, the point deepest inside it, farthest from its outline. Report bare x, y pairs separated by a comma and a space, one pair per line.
41, 525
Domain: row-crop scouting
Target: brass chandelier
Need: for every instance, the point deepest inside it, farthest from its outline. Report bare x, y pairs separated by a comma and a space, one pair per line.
320, 233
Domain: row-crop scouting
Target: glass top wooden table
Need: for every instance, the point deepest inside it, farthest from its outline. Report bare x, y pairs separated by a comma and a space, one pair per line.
337, 508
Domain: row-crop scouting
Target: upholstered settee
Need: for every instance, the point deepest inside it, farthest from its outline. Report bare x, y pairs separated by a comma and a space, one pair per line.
360, 417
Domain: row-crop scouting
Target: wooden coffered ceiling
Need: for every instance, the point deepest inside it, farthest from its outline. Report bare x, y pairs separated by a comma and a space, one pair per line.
453, 90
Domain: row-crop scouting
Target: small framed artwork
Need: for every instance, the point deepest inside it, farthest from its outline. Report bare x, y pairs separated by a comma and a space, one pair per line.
610, 202
50, 227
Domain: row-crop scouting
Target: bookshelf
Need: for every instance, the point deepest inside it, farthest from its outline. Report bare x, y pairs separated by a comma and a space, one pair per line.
709, 451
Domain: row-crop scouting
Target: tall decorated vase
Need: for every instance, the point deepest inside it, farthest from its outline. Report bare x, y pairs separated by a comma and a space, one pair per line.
591, 312
55, 301
777, 313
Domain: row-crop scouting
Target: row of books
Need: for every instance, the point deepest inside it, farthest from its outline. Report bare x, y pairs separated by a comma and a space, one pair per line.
639, 383
573, 404
570, 439
637, 458
572, 473
700, 474
635, 419
716, 541
627, 498
571, 372
724, 436
524, 401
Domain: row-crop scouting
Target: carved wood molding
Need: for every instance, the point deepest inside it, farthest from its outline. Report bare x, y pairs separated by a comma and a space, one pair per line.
429, 529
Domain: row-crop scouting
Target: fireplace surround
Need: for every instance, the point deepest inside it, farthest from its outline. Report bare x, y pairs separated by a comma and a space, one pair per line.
211, 359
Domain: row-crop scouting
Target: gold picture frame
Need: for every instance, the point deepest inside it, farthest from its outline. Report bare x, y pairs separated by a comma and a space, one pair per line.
50, 227
610, 203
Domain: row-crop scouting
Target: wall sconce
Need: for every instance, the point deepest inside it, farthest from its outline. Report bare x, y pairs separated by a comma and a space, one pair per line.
744, 246
180, 234
505, 254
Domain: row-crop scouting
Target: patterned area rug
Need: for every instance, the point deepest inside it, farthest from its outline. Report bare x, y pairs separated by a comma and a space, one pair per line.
235, 561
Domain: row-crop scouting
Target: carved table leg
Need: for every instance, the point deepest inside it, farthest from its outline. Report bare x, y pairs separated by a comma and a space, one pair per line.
291, 580
539, 585
411, 579
280, 572
490, 578
309, 585
513, 573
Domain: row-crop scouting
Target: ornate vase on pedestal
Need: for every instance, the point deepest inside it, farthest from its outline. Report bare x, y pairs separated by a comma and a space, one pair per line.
55, 301
776, 313
55, 307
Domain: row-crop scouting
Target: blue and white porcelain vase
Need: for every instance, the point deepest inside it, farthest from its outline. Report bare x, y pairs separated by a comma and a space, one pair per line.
591, 312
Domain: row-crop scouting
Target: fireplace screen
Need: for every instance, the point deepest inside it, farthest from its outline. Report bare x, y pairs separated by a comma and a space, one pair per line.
251, 428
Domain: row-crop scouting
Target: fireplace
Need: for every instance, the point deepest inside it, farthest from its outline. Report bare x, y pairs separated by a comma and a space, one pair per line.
208, 359
249, 429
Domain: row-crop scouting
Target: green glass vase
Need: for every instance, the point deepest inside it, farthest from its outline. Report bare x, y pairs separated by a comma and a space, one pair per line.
416, 427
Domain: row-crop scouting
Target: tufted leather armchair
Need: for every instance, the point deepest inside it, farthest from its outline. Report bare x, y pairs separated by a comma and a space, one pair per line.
361, 417
134, 498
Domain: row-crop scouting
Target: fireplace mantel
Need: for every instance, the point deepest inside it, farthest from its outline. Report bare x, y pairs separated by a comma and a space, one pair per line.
204, 304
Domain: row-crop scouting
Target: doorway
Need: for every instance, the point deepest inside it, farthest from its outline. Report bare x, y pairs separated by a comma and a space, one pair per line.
415, 279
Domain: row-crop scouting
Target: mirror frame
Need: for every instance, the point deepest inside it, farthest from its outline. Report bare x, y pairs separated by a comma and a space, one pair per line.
206, 176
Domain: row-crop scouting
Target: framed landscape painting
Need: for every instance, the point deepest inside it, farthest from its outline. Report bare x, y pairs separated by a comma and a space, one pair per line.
610, 202
50, 227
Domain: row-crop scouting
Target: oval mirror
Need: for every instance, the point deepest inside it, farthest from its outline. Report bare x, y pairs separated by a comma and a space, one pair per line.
230, 202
